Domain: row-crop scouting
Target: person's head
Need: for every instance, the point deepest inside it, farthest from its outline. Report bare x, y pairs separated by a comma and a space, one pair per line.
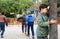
43, 8
23, 14
29, 12
2, 13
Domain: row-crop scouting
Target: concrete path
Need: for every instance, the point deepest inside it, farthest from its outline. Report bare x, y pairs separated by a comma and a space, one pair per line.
14, 32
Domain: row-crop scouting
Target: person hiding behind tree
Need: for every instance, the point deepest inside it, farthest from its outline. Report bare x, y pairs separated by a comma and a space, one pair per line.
3, 21
43, 23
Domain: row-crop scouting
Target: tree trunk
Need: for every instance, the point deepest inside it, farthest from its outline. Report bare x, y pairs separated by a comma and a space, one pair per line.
53, 34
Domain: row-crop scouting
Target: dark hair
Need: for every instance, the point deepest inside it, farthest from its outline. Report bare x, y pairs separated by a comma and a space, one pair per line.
42, 6
3, 13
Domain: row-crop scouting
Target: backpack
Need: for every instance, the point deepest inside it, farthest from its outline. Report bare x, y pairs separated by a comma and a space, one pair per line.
30, 18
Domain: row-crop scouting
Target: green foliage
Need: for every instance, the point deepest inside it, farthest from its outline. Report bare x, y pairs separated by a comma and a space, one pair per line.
16, 6
45, 1
58, 11
58, 5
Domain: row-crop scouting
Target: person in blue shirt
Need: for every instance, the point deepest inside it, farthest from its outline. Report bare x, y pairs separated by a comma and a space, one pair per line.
30, 23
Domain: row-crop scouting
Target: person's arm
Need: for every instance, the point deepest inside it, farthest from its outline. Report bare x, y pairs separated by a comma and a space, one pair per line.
6, 21
41, 22
26, 19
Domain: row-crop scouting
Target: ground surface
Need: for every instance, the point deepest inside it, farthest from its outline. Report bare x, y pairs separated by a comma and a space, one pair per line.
14, 32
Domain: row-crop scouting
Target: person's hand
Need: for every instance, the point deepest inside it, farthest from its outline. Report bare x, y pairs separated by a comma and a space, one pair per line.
53, 21
26, 22
6, 24
48, 21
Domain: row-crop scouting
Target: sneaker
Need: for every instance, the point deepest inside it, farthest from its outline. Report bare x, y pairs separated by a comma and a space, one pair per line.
2, 36
28, 37
23, 32
27, 34
33, 37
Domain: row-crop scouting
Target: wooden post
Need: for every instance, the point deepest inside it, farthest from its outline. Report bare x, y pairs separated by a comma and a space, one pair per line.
53, 34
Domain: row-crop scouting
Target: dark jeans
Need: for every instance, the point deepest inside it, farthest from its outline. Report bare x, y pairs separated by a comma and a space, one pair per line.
42, 37
2, 26
24, 27
30, 25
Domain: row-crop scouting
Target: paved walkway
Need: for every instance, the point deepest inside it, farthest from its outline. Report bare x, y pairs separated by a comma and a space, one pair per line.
14, 32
